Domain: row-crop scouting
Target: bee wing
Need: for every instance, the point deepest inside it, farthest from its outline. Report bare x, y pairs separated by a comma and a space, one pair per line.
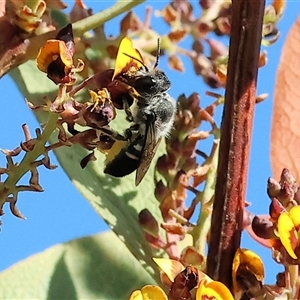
149, 150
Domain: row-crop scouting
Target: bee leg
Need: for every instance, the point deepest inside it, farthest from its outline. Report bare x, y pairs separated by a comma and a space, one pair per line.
72, 129
131, 132
126, 107
134, 127
113, 134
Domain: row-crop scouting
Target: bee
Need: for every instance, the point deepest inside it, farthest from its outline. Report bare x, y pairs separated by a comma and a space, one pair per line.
131, 72
153, 119
152, 114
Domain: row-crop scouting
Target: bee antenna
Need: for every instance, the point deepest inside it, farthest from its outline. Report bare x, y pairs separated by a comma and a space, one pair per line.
158, 53
134, 58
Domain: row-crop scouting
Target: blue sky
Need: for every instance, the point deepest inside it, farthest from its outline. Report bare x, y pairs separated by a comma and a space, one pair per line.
60, 213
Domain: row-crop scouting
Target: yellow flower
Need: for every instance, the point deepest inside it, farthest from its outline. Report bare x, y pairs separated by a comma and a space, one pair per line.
247, 272
56, 57
149, 292
288, 230
185, 279
211, 289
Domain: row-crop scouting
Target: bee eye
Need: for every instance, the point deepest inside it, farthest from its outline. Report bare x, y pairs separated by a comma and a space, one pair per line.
144, 84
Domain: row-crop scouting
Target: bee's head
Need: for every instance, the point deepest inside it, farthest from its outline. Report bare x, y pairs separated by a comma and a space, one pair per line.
145, 82
151, 83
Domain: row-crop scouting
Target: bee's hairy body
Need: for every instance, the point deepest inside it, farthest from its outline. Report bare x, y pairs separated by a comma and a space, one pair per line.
153, 119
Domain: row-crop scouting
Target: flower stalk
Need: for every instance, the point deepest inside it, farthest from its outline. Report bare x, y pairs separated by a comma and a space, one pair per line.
9, 185
236, 130
202, 228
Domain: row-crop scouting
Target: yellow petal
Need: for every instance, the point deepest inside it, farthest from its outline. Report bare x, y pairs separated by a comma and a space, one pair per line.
287, 233
136, 295
149, 292
152, 292
169, 266
51, 50
213, 290
127, 57
294, 214
246, 261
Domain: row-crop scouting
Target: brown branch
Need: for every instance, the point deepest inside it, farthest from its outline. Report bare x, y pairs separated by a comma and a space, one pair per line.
15, 51
240, 97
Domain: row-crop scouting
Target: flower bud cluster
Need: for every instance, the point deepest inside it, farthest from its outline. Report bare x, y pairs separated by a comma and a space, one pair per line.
177, 172
279, 230
214, 17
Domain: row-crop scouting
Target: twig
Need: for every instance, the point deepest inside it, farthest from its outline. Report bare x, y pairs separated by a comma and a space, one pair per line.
9, 186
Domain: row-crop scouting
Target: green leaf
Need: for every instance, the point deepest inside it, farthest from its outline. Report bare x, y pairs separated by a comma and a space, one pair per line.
95, 267
117, 201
